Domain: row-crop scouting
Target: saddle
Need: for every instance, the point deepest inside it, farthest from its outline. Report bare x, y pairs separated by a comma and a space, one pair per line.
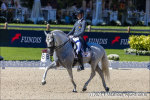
84, 51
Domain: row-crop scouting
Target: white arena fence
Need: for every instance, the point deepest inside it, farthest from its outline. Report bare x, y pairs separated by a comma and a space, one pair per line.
39, 64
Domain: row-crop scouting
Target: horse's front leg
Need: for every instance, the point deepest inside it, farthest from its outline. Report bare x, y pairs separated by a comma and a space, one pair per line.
52, 65
71, 78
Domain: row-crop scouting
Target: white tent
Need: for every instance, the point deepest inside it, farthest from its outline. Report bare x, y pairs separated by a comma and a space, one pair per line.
97, 13
36, 14
147, 19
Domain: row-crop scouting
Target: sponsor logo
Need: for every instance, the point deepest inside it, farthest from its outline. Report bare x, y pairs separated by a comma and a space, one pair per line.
98, 40
117, 38
16, 37
26, 39
104, 41
124, 42
85, 37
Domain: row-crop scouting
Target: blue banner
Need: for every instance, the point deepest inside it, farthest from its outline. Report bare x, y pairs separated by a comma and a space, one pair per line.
36, 39
21, 38
109, 40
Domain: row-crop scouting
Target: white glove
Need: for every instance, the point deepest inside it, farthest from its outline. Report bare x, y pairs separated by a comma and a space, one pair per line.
71, 36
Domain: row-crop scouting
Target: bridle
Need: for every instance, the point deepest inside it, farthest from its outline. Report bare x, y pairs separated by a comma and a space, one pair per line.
58, 47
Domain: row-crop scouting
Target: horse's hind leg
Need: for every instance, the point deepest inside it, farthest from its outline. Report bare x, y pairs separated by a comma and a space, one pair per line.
52, 65
71, 78
91, 77
99, 71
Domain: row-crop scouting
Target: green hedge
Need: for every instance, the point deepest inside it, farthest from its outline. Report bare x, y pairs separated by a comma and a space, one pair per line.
141, 42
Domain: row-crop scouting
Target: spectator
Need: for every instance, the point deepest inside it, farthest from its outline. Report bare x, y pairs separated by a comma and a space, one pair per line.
0, 2
88, 12
48, 7
67, 18
17, 5
54, 2
74, 7
12, 3
3, 7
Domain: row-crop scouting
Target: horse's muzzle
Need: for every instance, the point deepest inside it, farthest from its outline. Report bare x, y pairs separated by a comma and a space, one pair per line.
50, 51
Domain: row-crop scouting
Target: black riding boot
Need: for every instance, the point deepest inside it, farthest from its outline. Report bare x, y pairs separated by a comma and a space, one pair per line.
80, 60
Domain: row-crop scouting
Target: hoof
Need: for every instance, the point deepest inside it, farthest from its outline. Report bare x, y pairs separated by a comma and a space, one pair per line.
44, 82
75, 91
84, 89
107, 89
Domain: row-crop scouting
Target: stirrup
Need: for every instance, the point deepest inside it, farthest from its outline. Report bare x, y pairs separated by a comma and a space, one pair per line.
80, 68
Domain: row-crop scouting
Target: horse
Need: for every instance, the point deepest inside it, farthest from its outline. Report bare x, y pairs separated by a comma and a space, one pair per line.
60, 46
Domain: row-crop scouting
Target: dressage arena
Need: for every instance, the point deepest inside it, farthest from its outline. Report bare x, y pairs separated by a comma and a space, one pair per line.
25, 83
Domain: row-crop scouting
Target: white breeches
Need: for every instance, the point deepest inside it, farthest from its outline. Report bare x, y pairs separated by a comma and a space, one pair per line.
78, 43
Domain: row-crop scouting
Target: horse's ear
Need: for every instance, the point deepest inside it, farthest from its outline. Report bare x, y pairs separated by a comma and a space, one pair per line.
45, 33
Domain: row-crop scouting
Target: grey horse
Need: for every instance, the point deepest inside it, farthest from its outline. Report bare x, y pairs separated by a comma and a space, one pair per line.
63, 53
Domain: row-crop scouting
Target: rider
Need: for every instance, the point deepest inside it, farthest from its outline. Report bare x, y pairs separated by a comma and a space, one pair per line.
77, 35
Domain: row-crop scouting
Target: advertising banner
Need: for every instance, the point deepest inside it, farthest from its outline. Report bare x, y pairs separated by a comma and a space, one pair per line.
109, 40
4, 37
22, 38
36, 39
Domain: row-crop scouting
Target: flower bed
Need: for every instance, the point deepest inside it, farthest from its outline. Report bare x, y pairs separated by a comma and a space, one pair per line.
114, 57
137, 52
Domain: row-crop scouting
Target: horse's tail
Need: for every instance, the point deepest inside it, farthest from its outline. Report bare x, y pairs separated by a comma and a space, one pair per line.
105, 66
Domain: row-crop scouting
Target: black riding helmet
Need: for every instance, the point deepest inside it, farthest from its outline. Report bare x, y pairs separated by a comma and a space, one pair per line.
79, 11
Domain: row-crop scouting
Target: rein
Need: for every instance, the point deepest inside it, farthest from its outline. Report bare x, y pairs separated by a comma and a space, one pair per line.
60, 46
